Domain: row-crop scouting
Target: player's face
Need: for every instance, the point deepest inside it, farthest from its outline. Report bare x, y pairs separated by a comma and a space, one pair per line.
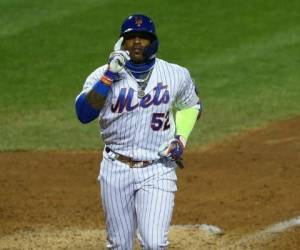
135, 43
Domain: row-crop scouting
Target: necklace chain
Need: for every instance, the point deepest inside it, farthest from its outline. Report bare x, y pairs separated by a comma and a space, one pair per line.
142, 83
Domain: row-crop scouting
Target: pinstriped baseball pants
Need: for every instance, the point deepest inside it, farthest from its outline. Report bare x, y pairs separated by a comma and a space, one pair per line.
137, 200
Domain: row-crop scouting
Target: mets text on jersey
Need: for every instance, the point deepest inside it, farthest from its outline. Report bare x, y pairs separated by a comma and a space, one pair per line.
125, 99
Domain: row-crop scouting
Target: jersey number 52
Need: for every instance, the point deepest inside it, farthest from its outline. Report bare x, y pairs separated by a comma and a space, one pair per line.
160, 121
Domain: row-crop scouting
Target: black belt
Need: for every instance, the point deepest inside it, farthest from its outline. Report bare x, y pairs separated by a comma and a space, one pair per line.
128, 160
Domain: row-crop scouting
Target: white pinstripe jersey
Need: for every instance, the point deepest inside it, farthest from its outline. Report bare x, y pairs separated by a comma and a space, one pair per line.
137, 127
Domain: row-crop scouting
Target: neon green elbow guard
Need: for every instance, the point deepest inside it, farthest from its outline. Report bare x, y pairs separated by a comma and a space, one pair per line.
185, 121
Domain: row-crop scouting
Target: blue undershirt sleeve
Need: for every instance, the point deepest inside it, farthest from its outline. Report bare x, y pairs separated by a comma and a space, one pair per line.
84, 111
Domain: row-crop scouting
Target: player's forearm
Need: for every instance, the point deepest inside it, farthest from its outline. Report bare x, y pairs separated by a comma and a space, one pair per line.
85, 112
185, 121
97, 95
88, 105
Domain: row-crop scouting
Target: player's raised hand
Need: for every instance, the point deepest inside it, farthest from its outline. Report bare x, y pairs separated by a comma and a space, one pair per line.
118, 58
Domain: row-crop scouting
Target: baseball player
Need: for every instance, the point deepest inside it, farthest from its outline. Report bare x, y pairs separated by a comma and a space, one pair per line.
133, 97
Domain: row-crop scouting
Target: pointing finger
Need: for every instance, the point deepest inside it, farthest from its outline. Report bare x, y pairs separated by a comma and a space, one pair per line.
118, 44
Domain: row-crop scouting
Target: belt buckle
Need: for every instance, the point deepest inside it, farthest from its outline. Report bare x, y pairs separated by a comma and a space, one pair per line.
130, 163
138, 165
135, 164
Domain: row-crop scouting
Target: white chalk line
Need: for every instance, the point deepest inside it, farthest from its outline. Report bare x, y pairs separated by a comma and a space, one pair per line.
269, 231
278, 141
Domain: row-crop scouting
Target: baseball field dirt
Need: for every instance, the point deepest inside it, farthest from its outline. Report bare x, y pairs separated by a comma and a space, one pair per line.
248, 186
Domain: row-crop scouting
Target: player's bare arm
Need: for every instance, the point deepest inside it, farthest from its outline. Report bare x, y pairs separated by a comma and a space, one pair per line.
95, 100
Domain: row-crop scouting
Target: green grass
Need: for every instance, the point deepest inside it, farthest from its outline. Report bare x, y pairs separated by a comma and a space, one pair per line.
243, 55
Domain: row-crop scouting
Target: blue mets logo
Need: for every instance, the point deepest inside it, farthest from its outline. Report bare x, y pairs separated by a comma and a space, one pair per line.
125, 99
